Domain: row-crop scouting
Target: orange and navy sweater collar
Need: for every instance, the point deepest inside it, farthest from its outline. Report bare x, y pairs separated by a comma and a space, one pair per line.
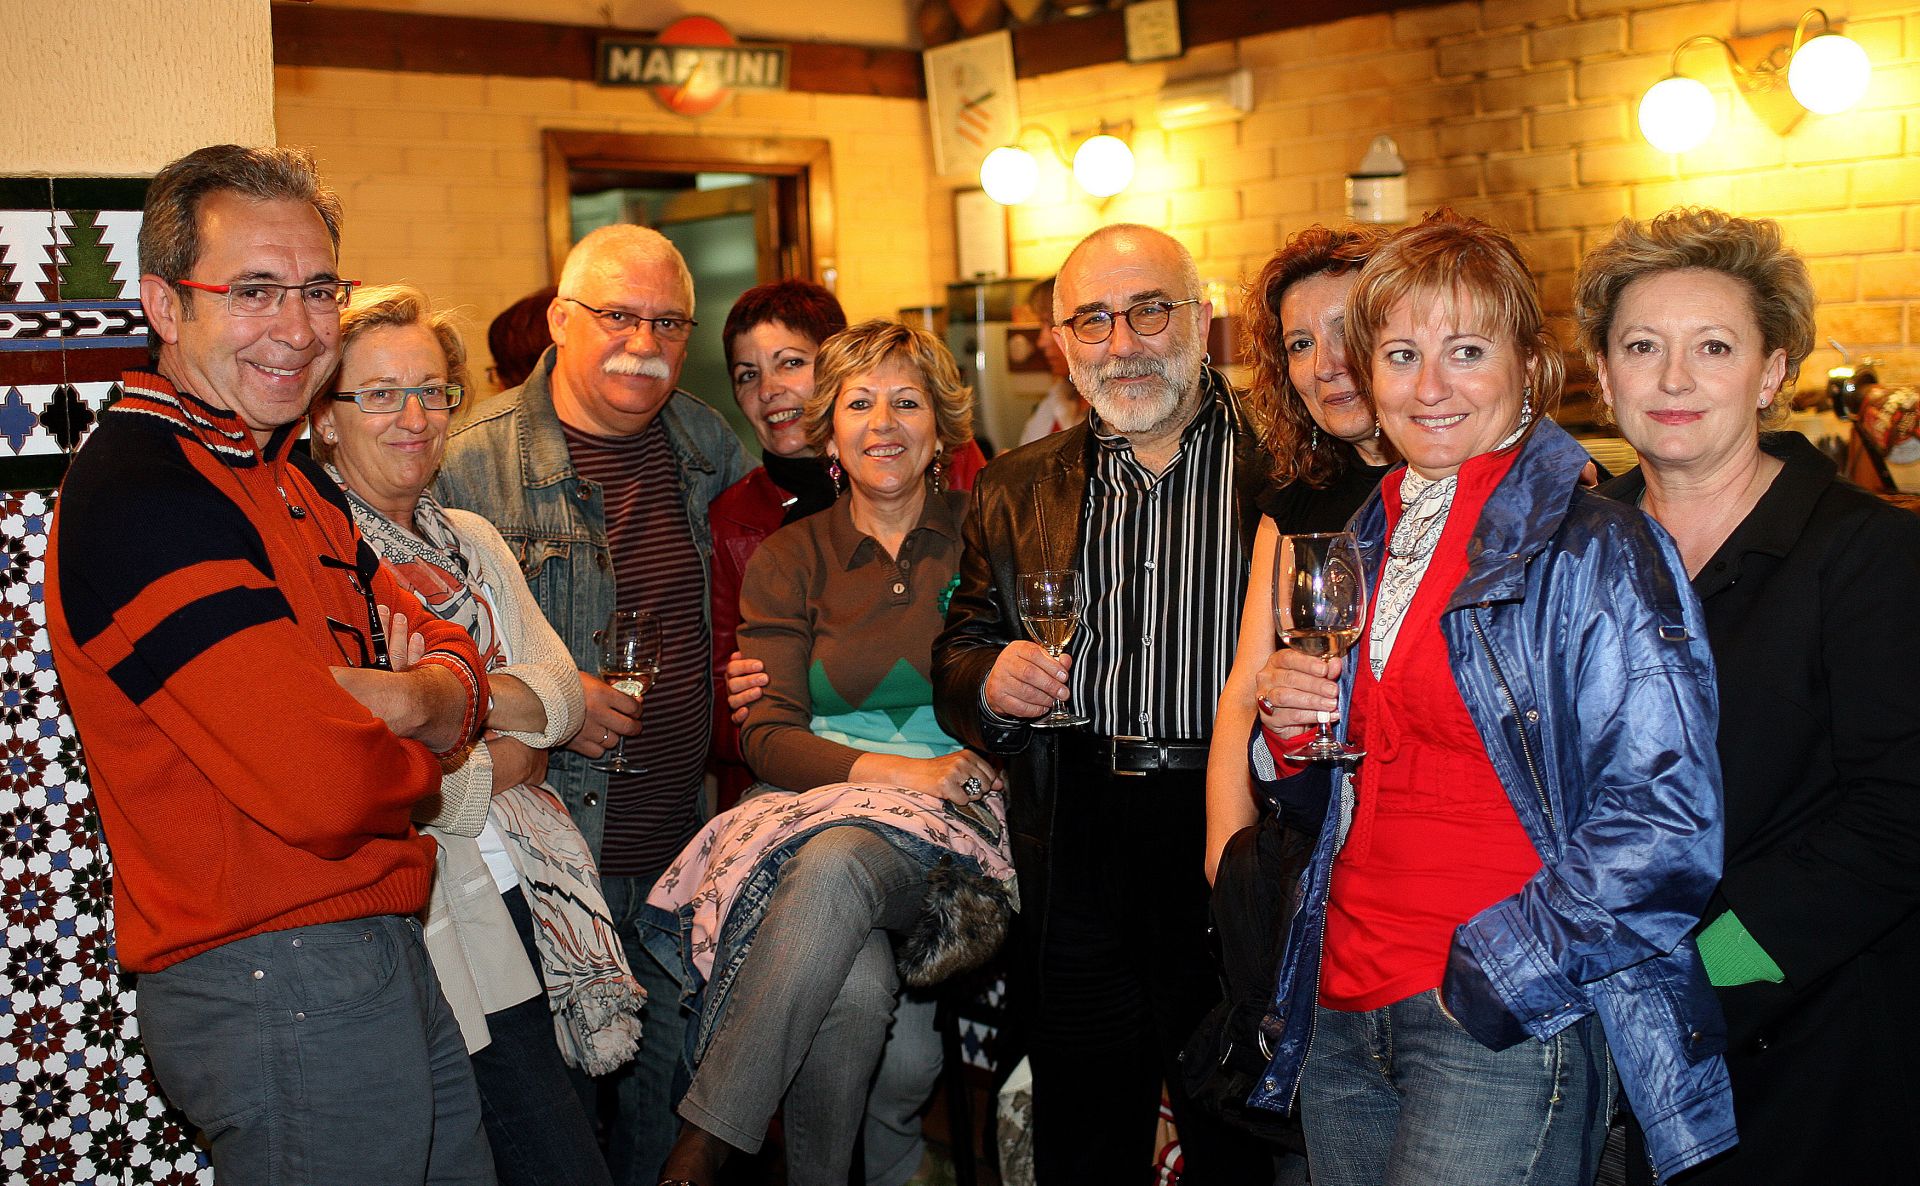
217, 430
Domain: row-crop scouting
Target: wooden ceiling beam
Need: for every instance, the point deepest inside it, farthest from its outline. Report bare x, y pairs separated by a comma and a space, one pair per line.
304, 35
429, 43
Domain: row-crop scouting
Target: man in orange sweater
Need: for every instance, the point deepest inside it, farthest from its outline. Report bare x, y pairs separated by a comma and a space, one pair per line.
263, 709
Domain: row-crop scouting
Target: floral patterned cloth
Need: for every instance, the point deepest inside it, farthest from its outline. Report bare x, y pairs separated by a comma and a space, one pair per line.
702, 886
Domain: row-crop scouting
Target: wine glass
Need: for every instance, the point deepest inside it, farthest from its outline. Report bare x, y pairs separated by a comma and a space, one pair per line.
630, 661
1319, 608
1050, 604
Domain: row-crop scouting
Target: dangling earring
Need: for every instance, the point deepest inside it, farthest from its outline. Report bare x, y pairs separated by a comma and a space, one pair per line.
1526, 406
1313, 437
939, 483
833, 471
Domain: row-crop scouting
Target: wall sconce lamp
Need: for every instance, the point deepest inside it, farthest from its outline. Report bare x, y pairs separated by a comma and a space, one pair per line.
1826, 74
1102, 165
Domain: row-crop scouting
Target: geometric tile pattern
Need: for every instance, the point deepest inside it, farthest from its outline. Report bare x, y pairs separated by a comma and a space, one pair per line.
70, 317
980, 1016
77, 1103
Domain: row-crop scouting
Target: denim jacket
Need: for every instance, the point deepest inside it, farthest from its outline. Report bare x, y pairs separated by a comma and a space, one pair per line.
509, 462
1581, 654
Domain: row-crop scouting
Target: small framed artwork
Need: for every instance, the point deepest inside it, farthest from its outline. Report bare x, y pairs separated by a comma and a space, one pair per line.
979, 235
971, 102
1153, 30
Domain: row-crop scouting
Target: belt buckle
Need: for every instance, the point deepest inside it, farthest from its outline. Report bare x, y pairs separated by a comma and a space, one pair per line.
1113, 759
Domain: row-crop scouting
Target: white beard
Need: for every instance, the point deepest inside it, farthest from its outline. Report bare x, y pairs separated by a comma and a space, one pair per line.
1144, 409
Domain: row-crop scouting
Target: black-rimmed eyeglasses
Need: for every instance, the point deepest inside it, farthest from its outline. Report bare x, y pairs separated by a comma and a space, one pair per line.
255, 298
1145, 319
619, 323
434, 397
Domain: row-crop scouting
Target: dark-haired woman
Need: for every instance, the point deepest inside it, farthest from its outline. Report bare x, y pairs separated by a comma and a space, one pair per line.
1328, 455
771, 336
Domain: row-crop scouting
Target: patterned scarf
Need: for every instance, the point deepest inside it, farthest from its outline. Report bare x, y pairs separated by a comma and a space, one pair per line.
1425, 504
595, 999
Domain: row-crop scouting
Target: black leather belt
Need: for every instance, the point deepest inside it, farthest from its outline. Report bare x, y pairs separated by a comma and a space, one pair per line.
1151, 755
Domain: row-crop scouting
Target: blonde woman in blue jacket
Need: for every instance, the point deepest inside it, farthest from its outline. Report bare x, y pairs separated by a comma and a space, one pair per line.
1495, 918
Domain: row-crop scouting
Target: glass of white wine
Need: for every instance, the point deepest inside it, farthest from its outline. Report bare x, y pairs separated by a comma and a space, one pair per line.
630, 661
1319, 609
1050, 604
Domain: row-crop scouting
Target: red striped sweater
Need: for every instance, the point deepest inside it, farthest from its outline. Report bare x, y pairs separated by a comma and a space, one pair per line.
199, 589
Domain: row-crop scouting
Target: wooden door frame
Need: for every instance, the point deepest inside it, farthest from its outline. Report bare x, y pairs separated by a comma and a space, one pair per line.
805, 162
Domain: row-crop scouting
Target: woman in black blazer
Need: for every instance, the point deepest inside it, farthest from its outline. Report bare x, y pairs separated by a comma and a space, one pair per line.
1697, 323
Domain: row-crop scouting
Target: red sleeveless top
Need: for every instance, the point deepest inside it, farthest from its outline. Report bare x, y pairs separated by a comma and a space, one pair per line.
1434, 838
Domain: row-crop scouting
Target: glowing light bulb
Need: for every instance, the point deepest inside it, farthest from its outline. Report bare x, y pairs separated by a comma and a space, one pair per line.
1829, 74
1103, 165
1676, 114
1009, 175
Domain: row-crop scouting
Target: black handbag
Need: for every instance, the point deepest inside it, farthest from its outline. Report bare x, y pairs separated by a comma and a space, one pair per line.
1224, 1059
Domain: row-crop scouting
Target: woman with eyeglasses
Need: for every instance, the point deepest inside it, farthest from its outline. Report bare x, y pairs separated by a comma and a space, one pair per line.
515, 924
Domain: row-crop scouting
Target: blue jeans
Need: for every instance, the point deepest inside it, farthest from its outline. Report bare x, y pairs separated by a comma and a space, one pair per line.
805, 1024
1402, 1096
909, 1070
320, 1055
646, 1090
539, 1131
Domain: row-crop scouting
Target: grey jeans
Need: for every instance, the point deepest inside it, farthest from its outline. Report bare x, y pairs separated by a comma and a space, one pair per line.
318, 1055
810, 1009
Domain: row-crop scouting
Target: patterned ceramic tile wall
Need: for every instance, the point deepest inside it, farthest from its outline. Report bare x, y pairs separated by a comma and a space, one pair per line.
76, 1102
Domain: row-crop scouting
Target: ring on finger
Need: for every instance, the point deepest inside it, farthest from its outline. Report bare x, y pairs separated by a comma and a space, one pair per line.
606, 735
975, 789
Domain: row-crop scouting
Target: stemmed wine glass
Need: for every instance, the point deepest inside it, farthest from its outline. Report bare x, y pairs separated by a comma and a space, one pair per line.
630, 661
1050, 604
1319, 608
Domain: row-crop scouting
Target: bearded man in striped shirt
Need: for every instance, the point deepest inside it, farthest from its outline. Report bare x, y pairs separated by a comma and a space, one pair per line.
1151, 502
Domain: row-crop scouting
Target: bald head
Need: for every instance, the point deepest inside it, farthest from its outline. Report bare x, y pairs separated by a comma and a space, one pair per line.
1145, 384
1128, 242
611, 248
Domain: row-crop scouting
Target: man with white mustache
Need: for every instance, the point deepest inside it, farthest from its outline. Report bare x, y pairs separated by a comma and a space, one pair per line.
598, 472
1152, 503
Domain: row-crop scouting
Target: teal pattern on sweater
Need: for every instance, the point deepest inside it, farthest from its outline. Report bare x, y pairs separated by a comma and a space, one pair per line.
895, 718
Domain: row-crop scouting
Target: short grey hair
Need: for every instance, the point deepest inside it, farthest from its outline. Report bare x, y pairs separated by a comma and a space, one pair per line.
170, 225
618, 239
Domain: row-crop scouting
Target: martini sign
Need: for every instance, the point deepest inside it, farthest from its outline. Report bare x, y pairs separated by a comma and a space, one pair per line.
692, 65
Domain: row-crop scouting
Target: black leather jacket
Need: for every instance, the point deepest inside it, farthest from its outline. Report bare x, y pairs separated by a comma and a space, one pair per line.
1027, 511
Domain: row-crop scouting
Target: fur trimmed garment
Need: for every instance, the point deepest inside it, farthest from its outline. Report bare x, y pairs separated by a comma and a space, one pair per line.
704, 911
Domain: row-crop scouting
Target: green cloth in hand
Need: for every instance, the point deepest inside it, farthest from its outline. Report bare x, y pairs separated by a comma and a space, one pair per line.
1733, 956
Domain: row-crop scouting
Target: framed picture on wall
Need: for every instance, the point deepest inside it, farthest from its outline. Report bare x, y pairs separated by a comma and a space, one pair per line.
979, 235
971, 102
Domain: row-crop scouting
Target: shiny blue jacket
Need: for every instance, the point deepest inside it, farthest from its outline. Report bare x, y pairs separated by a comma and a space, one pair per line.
1582, 657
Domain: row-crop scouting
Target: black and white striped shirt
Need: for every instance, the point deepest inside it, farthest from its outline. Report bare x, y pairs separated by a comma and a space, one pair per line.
1164, 571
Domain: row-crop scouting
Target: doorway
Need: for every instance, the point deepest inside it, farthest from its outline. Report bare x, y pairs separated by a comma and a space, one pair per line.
743, 211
